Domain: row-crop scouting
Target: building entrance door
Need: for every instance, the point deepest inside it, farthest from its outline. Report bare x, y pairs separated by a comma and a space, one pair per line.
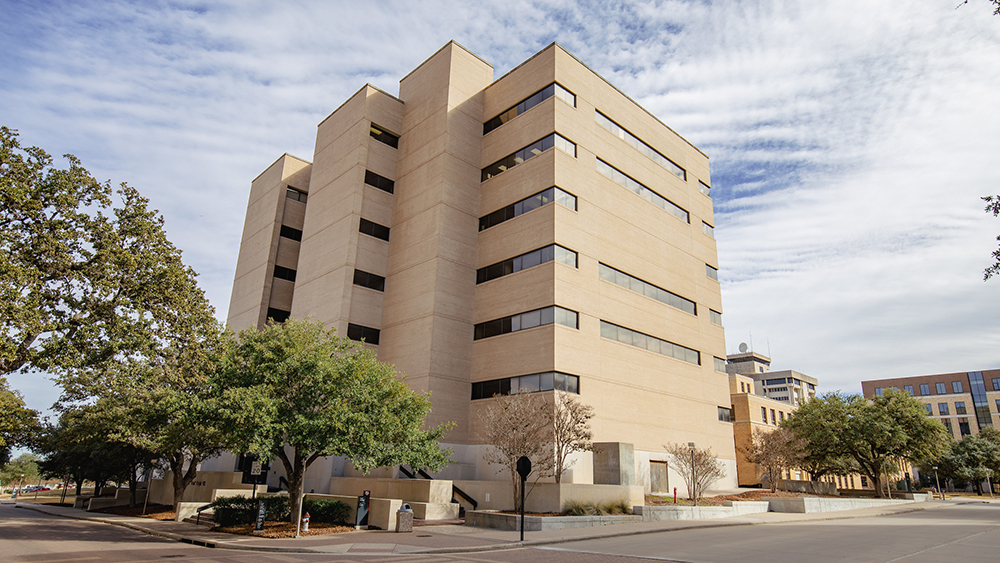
658, 482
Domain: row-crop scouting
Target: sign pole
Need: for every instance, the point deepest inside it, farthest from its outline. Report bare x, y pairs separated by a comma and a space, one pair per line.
523, 469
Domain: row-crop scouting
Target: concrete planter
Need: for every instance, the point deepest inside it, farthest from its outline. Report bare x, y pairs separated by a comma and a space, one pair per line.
512, 522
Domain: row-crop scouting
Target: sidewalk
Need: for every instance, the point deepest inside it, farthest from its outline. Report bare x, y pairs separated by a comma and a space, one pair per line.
448, 538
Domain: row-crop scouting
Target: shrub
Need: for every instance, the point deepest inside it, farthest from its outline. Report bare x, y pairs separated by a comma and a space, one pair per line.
236, 511
326, 511
618, 507
574, 508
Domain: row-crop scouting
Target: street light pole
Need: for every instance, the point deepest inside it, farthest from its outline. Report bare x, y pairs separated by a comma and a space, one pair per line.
694, 475
938, 481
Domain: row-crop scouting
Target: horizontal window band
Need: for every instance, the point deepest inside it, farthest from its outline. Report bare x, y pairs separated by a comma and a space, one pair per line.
534, 149
530, 203
642, 191
527, 260
640, 145
642, 340
531, 101
526, 320
637, 285
531, 383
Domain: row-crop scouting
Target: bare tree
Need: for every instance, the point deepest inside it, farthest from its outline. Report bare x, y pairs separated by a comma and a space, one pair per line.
570, 431
518, 425
706, 468
773, 452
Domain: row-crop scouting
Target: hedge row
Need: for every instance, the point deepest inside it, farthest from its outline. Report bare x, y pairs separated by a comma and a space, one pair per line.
236, 511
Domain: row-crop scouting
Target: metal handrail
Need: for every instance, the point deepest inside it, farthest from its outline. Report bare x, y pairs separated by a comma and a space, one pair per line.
200, 510
455, 490
465, 495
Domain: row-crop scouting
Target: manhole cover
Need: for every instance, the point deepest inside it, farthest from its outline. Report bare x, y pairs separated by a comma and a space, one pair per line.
423, 535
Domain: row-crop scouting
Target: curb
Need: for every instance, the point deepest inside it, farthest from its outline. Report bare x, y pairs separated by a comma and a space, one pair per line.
467, 549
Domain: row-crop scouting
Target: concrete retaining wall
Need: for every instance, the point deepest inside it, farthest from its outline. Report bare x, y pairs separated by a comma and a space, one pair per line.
813, 504
811, 487
549, 497
512, 522
728, 510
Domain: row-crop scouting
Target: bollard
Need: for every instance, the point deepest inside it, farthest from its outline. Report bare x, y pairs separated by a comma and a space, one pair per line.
305, 522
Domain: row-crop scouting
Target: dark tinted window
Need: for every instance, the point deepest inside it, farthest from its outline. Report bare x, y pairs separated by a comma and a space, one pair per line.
297, 195
289, 232
277, 315
284, 273
380, 134
374, 229
358, 332
380, 182
371, 281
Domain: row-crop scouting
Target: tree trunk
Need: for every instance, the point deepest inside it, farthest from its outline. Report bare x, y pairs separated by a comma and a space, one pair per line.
182, 480
133, 484
296, 472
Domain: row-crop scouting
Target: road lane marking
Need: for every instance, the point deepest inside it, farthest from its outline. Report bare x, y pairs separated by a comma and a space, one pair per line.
944, 544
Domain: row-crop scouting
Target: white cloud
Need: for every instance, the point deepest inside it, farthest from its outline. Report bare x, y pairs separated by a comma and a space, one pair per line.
850, 140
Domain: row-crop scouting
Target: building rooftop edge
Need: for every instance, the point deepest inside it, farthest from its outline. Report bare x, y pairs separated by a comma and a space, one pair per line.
457, 44
351, 97
911, 377
283, 155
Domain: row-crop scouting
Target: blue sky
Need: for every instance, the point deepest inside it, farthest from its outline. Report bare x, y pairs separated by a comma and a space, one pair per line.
850, 141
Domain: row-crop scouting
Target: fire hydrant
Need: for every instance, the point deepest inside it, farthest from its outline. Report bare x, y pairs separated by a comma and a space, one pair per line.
305, 522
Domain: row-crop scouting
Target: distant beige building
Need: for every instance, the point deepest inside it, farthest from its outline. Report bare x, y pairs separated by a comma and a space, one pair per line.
761, 400
540, 231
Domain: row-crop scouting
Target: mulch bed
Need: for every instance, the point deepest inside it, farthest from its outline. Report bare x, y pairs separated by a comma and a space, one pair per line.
154, 511
285, 530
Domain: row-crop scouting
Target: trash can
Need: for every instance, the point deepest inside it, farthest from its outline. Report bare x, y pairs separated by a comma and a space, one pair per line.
404, 519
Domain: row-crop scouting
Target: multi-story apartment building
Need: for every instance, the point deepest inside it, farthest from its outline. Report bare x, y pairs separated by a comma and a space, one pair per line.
538, 232
964, 401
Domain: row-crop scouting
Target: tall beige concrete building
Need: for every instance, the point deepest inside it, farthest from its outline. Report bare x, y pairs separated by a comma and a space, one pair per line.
540, 231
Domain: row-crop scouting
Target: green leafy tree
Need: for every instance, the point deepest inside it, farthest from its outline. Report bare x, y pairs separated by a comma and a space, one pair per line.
162, 403
993, 206
82, 446
25, 464
873, 432
821, 454
82, 278
297, 391
18, 423
972, 460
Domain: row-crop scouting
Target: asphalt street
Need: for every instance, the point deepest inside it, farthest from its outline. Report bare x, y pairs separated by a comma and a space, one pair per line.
963, 531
